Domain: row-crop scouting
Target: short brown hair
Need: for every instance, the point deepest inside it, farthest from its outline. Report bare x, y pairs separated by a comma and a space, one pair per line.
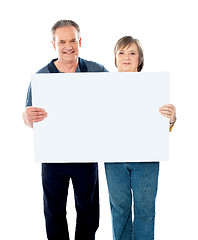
127, 41
63, 23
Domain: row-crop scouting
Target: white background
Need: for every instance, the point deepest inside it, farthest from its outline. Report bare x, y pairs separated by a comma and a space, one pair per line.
167, 31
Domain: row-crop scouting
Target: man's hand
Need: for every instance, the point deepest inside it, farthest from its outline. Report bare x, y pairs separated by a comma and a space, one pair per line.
33, 114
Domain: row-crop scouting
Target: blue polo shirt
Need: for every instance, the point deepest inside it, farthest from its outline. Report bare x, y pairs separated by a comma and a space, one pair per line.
83, 66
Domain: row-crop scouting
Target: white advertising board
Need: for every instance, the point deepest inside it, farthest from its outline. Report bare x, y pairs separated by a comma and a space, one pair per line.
101, 117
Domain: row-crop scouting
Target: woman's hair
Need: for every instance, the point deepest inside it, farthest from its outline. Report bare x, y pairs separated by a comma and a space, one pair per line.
64, 23
126, 42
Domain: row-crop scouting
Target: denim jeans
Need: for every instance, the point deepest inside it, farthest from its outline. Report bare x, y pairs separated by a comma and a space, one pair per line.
135, 181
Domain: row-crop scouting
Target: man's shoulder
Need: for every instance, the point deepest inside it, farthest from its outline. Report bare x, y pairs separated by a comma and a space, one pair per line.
44, 70
94, 66
91, 67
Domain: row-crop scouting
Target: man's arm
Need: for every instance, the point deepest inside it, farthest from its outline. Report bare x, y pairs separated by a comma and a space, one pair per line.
33, 114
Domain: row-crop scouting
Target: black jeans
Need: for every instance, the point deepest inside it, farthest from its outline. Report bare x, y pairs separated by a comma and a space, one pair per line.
84, 176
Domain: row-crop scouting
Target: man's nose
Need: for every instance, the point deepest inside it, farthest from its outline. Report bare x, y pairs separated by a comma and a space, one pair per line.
68, 46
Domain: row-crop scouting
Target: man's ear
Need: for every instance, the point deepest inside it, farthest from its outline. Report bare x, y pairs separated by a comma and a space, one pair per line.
54, 45
80, 42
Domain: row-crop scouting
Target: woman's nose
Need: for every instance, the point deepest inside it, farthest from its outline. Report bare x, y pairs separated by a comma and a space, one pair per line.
126, 56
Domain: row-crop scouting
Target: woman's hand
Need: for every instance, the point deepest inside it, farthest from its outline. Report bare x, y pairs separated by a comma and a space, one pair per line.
169, 111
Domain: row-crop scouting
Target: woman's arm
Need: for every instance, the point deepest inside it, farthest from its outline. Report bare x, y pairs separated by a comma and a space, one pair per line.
169, 111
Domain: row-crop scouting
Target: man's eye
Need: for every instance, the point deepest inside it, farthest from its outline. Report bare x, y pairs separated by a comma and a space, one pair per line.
61, 42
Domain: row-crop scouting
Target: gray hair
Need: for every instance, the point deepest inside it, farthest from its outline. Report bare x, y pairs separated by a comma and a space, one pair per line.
126, 42
63, 23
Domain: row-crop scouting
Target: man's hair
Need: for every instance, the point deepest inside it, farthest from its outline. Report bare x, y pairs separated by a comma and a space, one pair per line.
126, 42
64, 23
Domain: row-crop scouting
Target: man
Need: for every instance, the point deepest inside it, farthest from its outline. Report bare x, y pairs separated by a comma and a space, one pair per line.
56, 176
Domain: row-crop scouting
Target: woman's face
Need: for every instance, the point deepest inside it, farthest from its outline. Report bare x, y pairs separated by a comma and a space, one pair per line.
127, 58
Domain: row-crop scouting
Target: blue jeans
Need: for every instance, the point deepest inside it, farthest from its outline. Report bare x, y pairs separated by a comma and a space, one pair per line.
137, 180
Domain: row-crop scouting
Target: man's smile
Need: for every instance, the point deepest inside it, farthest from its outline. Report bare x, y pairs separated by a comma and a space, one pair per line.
69, 52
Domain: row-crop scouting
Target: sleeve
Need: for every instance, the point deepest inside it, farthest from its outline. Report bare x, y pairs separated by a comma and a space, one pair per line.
104, 69
29, 97
170, 128
101, 68
95, 67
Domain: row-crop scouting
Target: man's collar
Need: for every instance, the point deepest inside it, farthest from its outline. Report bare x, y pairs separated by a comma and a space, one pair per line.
53, 69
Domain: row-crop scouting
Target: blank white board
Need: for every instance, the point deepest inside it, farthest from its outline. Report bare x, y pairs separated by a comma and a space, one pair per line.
109, 117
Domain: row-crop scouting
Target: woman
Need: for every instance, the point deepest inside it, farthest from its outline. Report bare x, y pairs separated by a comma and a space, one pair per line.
137, 180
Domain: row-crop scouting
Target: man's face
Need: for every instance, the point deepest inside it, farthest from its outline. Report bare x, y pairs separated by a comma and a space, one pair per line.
67, 44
